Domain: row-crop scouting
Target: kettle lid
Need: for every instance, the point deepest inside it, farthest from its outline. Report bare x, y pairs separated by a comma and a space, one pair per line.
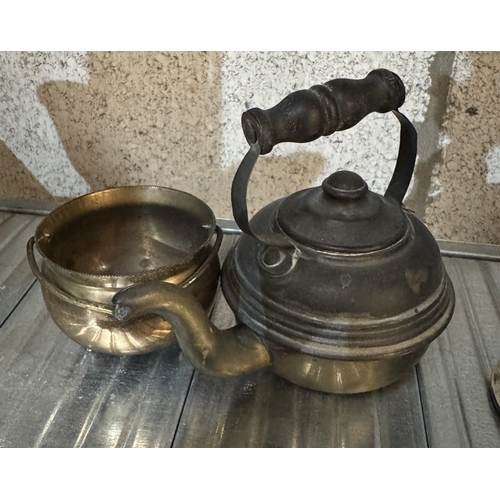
342, 215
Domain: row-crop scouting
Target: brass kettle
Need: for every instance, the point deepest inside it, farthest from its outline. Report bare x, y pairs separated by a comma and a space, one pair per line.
336, 288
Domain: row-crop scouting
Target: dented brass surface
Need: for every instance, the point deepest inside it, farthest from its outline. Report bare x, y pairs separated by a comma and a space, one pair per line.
96, 245
229, 353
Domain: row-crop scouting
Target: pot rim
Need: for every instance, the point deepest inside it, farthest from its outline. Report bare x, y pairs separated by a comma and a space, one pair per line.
163, 272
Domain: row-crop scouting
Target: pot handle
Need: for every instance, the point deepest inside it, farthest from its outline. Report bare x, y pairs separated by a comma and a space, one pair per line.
306, 115
55, 289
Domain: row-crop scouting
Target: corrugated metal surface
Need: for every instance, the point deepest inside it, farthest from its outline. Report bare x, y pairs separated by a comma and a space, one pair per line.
455, 372
54, 393
263, 410
15, 274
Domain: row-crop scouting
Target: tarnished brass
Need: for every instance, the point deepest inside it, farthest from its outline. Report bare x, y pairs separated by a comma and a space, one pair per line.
495, 387
336, 288
225, 353
95, 245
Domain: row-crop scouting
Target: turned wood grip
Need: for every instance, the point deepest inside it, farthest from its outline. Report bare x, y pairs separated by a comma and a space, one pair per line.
339, 104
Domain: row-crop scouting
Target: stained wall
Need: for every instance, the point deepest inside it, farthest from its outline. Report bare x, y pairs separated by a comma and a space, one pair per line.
72, 122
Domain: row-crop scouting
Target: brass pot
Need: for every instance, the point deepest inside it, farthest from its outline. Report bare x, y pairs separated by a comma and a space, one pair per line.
98, 244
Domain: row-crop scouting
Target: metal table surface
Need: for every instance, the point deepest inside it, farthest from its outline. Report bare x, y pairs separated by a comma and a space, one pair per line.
55, 393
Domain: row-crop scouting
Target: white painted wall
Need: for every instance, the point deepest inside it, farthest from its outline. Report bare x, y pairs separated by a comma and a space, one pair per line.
25, 124
250, 79
493, 164
262, 79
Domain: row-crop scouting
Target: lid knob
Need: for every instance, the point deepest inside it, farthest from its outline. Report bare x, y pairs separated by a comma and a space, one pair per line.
345, 185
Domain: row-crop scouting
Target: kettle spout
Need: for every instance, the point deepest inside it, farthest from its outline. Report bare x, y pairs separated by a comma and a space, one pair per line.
228, 353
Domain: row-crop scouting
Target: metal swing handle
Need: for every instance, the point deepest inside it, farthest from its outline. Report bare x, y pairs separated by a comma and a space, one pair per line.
306, 115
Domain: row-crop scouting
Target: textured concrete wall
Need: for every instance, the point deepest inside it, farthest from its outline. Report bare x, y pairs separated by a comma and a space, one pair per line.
466, 201
75, 122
